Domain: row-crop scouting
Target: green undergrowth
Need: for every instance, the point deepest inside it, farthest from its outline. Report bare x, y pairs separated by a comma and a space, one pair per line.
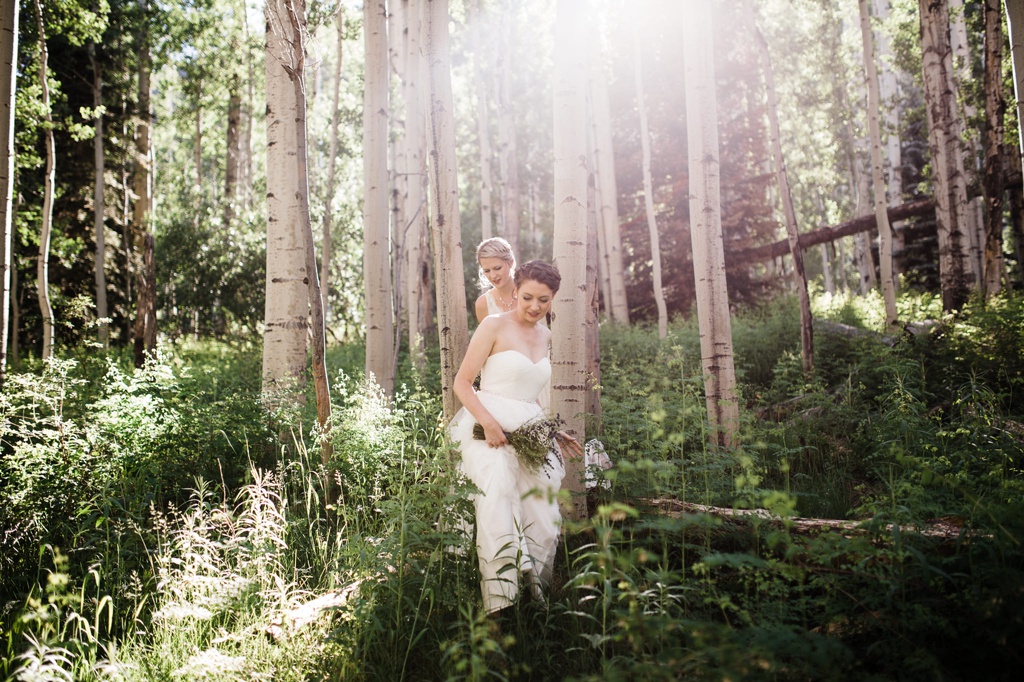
162, 525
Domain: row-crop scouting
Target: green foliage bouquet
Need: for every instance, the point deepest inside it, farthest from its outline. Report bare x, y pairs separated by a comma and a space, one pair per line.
531, 441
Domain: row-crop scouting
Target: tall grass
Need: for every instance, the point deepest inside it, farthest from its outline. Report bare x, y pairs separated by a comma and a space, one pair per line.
158, 529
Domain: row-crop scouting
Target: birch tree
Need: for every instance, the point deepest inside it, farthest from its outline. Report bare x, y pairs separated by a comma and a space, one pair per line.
414, 232
98, 203
946, 155
507, 134
569, 312
789, 212
326, 242
995, 109
877, 170
286, 313
1015, 25
483, 120
888, 87
607, 194
9, 12
652, 222
376, 232
144, 329
46, 217
453, 332
706, 225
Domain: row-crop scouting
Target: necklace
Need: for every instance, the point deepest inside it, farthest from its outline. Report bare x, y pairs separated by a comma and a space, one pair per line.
501, 301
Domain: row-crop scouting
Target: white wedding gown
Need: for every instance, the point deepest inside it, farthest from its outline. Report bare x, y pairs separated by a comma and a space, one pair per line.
517, 516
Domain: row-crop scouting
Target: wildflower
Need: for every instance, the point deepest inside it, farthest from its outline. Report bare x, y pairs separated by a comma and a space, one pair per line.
531, 441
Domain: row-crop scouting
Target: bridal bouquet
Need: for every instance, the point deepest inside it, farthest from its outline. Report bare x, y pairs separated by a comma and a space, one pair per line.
531, 441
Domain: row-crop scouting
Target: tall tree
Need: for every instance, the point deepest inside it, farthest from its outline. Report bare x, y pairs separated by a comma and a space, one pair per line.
877, 170
286, 313
99, 204
483, 120
1015, 25
450, 283
652, 221
789, 212
8, 85
326, 240
607, 194
946, 153
507, 134
706, 225
376, 228
569, 312
995, 110
49, 181
414, 236
144, 330
888, 86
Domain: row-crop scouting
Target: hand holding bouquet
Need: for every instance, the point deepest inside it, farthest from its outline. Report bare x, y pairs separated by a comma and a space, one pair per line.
531, 441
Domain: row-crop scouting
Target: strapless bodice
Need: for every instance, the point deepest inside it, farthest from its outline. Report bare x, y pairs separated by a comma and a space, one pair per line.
511, 374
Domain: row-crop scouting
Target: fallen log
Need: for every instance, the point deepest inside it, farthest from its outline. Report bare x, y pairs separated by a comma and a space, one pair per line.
304, 614
950, 528
829, 233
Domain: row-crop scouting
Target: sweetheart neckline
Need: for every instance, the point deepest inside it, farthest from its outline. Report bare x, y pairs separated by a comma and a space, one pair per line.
521, 353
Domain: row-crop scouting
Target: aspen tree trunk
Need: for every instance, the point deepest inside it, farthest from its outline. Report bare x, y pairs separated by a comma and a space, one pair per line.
593, 394
286, 313
706, 225
326, 242
507, 142
826, 268
889, 91
608, 195
483, 121
946, 155
415, 230
1015, 25
9, 11
398, 178
295, 34
197, 147
245, 145
974, 226
234, 150
995, 111
782, 178
569, 312
604, 283
99, 205
144, 330
862, 242
877, 171
46, 219
652, 223
453, 332
376, 233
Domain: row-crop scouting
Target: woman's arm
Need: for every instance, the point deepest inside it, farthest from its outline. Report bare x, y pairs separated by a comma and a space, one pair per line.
481, 307
480, 347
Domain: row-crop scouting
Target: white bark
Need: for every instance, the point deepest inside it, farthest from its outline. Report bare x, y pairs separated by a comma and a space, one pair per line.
706, 225
326, 238
995, 110
608, 196
46, 219
877, 171
415, 229
99, 205
974, 225
1015, 23
450, 284
376, 217
652, 223
8, 84
889, 91
946, 152
569, 313
286, 314
483, 121
507, 137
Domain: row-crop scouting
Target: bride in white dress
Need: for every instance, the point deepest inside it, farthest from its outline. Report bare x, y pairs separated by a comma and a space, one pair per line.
517, 515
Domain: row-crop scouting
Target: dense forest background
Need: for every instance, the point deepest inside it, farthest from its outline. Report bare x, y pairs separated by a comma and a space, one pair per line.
168, 513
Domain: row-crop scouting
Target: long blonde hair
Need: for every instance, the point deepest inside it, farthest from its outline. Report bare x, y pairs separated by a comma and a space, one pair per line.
495, 247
